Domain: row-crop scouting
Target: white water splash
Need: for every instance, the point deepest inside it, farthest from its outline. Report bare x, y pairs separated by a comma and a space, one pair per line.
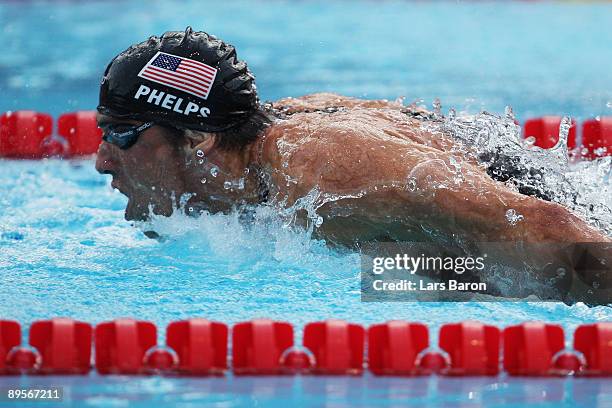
513, 217
582, 186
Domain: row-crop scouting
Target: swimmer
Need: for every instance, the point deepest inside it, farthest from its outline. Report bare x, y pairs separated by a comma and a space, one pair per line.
181, 118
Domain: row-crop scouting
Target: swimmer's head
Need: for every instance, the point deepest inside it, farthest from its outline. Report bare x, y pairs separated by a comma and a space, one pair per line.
163, 103
188, 80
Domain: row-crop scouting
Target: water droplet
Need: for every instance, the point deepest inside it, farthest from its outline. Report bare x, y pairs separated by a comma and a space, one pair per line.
200, 153
509, 113
513, 217
227, 185
200, 161
437, 106
246, 171
72, 131
240, 184
190, 209
319, 221
564, 128
595, 285
529, 141
203, 181
214, 171
411, 185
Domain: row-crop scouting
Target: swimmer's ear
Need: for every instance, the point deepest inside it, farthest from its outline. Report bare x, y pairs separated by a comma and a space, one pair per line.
206, 145
201, 141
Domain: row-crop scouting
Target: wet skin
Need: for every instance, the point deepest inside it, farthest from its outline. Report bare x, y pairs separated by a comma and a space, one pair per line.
160, 168
393, 172
147, 173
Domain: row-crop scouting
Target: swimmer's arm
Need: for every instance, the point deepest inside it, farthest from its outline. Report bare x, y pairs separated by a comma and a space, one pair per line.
489, 211
477, 207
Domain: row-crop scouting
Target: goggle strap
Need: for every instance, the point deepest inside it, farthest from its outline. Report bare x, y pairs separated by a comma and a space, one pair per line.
139, 129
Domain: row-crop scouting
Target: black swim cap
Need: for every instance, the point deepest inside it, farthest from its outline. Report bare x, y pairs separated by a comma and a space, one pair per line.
187, 80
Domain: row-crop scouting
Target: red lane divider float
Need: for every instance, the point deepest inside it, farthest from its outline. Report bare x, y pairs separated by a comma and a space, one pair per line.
529, 348
393, 347
473, 348
594, 341
597, 137
81, 131
64, 346
121, 346
10, 338
198, 347
29, 135
337, 347
258, 346
22, 134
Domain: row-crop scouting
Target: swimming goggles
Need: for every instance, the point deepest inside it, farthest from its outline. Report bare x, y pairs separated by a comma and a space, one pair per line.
124, 136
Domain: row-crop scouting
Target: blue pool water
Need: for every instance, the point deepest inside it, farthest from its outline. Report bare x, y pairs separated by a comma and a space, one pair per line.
65, 249
539, 57
367, 391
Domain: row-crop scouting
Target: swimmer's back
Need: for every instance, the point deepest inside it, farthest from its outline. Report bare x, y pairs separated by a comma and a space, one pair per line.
344, 145
319, 113
333, 117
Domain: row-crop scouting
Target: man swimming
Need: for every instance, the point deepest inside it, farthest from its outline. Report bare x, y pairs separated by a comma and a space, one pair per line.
181, 119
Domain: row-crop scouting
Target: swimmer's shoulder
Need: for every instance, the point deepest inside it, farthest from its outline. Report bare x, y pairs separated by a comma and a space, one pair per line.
330, 107
330, 102
357, 128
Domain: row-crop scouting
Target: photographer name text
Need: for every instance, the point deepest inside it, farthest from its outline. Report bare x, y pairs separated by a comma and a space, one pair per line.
409, 286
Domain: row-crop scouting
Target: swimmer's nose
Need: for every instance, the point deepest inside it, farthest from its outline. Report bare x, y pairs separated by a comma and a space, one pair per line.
104, 161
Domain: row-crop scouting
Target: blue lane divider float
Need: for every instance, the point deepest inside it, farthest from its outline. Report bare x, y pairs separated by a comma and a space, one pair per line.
199, 347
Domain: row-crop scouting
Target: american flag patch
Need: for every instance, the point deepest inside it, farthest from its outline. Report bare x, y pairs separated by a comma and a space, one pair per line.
181, 73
